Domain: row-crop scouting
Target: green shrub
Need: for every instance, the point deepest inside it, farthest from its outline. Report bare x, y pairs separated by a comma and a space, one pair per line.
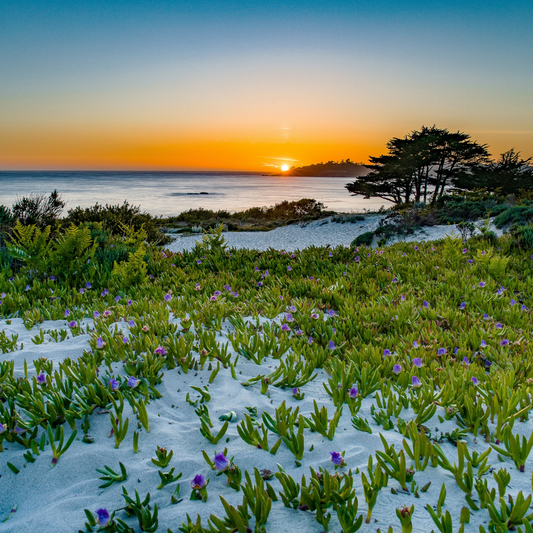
115, 217
365, 239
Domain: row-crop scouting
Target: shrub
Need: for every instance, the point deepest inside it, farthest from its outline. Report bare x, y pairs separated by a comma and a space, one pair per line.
115, 217
365, 239
38, 209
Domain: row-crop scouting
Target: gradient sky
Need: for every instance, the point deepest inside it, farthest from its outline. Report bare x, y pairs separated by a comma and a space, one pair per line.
246, 85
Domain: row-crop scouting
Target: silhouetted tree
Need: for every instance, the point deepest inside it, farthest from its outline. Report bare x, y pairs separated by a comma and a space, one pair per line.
509, 175
420, 166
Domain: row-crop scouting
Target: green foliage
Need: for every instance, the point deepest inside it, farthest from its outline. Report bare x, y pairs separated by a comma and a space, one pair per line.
116, 217
30, 246
132, 271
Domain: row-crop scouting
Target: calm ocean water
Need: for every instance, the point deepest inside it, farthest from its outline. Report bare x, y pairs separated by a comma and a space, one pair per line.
170, 193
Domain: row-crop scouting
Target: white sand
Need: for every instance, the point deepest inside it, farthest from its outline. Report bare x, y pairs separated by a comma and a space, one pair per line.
52, 500
322, 232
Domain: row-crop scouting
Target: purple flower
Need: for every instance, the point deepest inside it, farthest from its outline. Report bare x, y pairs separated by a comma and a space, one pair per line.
289, 268
125, 340
499, 326
394, 280
213, 298
293, 256
441, 351
397, 369
315, 315
27, 287
353, 392
463, 305
259, 283
331, 345
293, 308
72, 324
475, 380
416, 248
113, 384
486, 317
310, 340
133, 382
513, 302
415, 344
386, 352
2, 428
465, 360
504, 342
105, 292
221, 462
256, 269
336, 458
266, 272
102, 516
285, 327
160, 350
481, 284
198, 262
117, 298
82, 291
524, 308
357, 259
198, 482
330, 254
41, 379
236, 294
288, 317
415, 381
67, 313
217, 293
469, 261
130, 302
96, 314
425, 304
131, 323
88, 285
295, 391
483, 343
51, 278
402, 298
455, 350
418, 362
299, 332
465, 250
100, 342
331, 312
168, 297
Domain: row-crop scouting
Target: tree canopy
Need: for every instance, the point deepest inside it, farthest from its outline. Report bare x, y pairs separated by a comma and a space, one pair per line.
421, 166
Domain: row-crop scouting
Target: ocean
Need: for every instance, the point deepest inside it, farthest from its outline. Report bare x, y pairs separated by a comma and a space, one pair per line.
170, 193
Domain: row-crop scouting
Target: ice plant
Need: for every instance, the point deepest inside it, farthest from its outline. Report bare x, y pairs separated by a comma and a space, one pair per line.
475, 380
199, 488
417, 361
425, 304
331, 345
315, 315
397, 368
331, 312
288, 317
415, 344
353, 392
161, 350
441, 351
463, 305
483, 343
337, 459
504, 342
221, 462
285, 327
96, 314
102, 516
100, 343
168, 297
41, 379
72, 324
386, 352
133, 382
67, 313
415, 381
113, 384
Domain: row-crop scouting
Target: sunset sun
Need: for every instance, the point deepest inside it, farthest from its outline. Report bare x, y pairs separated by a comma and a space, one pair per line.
284, 168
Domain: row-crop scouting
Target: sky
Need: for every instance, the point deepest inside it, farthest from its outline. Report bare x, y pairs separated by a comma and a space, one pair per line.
241, 85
